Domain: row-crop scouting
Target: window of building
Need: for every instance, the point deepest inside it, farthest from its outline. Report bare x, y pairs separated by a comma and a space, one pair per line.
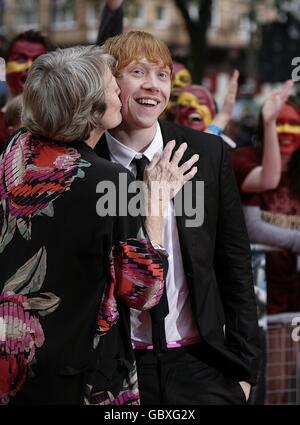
126, 8
160, 13
216, 15
161, 16
93, 12
134, 12
27, 13
245, 27
193, 11
215, 21
139, 12
2, 13
63, 12
292, 7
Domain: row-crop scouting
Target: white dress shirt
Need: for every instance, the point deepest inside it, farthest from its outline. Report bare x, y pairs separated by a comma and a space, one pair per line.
179, 323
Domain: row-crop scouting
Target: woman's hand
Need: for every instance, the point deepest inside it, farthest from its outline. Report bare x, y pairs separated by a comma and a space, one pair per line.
275, 102
165, 176
163, 179
224, 116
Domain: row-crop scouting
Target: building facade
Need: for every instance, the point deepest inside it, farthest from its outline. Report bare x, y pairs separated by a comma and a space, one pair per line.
69, 22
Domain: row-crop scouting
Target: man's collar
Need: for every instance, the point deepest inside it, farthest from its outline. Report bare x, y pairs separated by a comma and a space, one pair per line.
118, 152
124, 155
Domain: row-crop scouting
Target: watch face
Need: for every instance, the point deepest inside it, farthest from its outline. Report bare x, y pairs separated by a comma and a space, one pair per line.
288, 129
159, 248
195, 107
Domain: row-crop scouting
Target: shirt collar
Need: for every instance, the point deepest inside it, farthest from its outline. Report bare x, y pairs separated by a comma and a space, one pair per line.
124, 155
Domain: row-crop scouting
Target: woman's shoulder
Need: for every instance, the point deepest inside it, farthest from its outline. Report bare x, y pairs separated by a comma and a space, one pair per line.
100, 167
245, 159
249, 153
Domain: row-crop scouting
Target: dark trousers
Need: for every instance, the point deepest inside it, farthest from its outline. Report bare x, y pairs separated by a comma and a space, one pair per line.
183, 376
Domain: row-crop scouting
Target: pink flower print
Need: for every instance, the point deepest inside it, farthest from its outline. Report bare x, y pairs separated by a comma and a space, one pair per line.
20, 330
20, 333
33, 173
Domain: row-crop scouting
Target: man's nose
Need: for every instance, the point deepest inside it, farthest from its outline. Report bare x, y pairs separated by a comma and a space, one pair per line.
151, 82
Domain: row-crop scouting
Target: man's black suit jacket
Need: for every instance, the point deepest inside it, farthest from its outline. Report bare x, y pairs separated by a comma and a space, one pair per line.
217, 258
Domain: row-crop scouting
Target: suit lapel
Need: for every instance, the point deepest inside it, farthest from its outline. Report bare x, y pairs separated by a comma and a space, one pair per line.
190, 237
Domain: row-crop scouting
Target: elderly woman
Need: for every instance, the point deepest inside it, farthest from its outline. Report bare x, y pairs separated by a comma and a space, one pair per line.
69, 268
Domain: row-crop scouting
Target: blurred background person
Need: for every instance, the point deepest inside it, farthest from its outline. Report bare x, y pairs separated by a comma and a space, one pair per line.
12, 115
272, 219
21, 52
25, 47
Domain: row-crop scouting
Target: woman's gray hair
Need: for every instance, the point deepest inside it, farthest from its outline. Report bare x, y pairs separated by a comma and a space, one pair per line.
64, 93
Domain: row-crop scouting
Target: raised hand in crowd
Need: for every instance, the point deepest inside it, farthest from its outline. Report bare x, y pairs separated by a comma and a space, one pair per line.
267, 175
223, 117
275, 102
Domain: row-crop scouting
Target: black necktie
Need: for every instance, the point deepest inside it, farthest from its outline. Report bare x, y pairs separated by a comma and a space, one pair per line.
140, 164
161, 310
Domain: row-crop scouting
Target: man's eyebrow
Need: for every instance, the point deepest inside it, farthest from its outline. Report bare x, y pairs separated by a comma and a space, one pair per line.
160, 67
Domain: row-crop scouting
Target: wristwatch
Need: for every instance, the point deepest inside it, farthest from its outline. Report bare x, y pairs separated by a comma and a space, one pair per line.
160, 248
215, 129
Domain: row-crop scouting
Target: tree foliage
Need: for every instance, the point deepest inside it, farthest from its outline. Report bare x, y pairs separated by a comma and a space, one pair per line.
289, 8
